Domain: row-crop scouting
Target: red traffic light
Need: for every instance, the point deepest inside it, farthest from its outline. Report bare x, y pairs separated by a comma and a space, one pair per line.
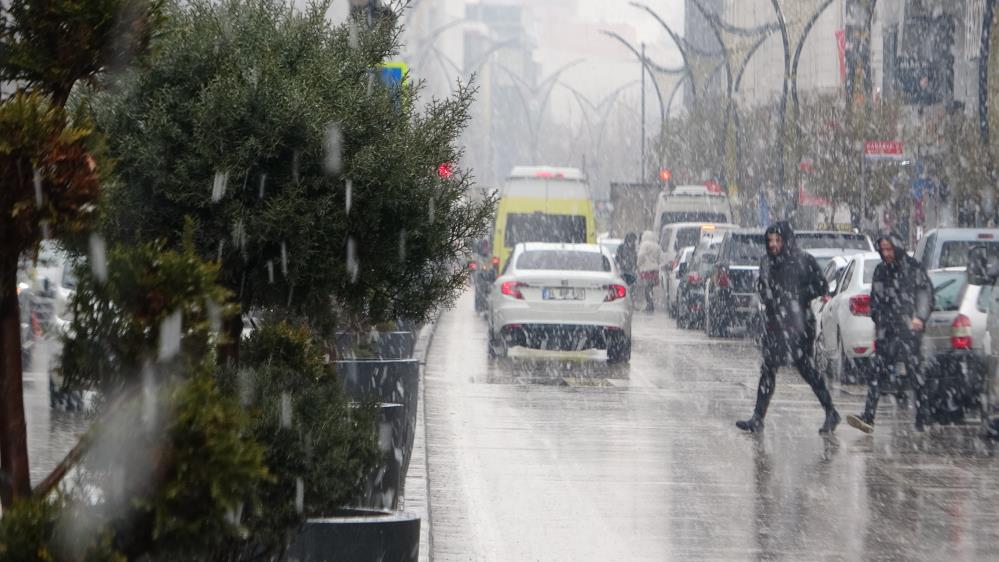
665, 174
445, 170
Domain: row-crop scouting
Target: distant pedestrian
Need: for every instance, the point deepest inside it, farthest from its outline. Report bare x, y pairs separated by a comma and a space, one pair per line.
789, 280
901, 302
627, 257
649, 257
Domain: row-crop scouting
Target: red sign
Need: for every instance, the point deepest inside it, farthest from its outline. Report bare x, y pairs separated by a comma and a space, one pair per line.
884, 149
841, 51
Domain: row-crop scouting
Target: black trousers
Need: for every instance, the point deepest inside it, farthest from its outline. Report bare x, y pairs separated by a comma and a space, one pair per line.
775, 355
890, 351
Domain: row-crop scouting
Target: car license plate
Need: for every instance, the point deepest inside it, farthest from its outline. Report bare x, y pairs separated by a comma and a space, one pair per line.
743, 302
563, 294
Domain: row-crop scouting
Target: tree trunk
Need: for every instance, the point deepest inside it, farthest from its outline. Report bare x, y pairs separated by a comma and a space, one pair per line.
229, 351
16, 481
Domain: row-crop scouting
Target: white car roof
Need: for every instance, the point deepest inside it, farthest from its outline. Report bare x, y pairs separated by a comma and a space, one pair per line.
834, 252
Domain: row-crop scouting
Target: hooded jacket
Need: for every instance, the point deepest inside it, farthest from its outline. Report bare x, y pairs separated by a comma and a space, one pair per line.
649, 254
627, 255
900, 291
788, 283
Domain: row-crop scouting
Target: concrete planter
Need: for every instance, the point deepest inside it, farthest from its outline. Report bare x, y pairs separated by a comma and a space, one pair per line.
358, 535
394, 381
384, 345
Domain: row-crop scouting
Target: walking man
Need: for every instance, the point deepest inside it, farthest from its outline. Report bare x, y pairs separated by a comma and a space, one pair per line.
901, 302
789, 280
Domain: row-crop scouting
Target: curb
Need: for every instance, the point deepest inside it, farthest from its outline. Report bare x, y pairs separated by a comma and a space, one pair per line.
418, 477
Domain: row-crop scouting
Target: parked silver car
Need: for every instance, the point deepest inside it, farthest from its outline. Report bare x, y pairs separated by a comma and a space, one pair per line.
954, 344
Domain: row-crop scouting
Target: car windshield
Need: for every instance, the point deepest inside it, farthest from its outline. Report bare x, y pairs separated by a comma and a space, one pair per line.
947, 288
563, 260
822, 240
746, 249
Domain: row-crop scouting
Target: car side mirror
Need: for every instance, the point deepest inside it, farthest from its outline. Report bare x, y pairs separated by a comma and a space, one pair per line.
832, 287
629, 278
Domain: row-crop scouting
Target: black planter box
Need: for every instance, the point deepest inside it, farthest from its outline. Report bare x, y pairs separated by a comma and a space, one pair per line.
389, 381
383, 486
384, 345
358, 535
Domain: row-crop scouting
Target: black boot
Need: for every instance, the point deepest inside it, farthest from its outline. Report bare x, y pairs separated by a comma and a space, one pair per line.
752, 425
832, 420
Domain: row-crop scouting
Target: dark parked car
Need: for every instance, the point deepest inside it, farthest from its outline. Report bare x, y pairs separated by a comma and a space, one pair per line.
730, 295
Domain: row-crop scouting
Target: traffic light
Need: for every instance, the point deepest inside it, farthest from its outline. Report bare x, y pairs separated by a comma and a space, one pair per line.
665, 175
445, 170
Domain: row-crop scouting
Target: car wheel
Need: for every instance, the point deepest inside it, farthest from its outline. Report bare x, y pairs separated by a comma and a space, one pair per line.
710, 322
496, 346
846, 371
990, 425
619, 349
480, 301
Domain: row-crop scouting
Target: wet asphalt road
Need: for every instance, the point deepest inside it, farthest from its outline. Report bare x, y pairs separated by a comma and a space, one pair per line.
546, 456
51, 432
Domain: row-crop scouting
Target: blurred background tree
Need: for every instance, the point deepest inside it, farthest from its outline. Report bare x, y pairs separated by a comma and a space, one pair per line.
51, 164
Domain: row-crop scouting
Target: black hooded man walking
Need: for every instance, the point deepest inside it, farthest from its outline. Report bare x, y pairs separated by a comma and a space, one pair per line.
901, 302
789, 280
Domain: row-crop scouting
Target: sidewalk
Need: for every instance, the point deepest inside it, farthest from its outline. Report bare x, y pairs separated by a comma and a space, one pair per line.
415, 491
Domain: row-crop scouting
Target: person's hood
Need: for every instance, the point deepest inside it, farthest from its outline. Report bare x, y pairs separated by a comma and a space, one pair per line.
784, 230
895, 240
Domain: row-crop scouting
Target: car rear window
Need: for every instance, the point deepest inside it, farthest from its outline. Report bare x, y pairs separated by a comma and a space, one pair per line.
947, 289
821, 240
746, 249
688, 236
869, 266
539, 227
955, 252
563, 260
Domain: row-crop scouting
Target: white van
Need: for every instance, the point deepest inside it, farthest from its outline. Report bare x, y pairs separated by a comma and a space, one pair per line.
691, 203
949, 247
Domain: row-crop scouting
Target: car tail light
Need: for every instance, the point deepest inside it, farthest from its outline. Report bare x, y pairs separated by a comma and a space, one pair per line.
473, 266
860, 305
723, 281
512, 289
860, 350
960, 332
694, 278
615, 292
496, 261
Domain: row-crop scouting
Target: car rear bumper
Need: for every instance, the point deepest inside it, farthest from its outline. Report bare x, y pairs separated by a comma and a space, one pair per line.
741, 306
617, 318
966, 367
562, 337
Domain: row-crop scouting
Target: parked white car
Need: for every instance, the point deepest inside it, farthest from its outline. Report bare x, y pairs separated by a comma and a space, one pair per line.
560, 296
831, 272
672, 279
844, 344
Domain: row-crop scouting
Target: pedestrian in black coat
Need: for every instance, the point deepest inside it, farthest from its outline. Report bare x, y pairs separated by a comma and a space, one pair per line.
901, 302
789, 280
627, 256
